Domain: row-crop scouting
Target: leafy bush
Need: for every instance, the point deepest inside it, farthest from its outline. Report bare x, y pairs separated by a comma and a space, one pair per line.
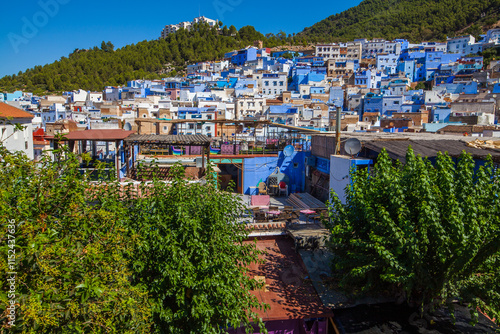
191, 256
71, 248
102, 257
428, 231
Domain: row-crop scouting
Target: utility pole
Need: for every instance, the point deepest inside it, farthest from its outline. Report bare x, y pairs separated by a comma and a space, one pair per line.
337, 132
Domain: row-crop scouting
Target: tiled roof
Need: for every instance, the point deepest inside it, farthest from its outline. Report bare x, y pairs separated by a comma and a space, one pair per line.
8, 111
101, 135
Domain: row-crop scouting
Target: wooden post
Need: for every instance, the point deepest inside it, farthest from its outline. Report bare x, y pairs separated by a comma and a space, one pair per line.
94, 149
117, 159
208, 154
126, 148
203, 157
71, 145
133, 156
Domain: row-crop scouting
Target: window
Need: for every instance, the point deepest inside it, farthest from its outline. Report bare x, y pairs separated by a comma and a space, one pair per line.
191, 126
209, 117
208, 128
275, 83
26, 144
281, 83
266, 83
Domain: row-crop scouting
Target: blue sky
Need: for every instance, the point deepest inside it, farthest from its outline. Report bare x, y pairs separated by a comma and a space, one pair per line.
40, 32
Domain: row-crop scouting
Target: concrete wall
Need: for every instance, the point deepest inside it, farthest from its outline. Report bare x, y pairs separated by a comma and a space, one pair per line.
340, 167
256, 170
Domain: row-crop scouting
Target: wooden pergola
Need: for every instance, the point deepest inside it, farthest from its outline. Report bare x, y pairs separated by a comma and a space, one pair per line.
93, 136
165, 141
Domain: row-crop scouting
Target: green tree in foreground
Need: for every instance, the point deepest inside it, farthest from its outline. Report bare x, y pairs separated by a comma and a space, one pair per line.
98, 258
428, 231
192, 257
71, 248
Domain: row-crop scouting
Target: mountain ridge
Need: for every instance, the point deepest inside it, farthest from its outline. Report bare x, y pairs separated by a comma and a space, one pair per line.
415, 20
95, 68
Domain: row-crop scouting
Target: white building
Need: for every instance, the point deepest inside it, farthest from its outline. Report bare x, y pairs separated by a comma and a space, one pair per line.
387, 63
203, 19
492, 36
342, 51
16, 140
95, 97
459, 44
250, 106
274, 83
78, 96
186, 25
56, 112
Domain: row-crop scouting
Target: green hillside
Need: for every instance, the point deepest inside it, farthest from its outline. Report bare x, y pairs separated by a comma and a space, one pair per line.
95, 68
415, 20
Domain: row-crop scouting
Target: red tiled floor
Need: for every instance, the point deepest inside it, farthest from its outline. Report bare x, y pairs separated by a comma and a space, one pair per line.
290, 294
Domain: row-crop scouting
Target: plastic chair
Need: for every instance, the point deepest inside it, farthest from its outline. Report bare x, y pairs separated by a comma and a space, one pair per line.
283, 188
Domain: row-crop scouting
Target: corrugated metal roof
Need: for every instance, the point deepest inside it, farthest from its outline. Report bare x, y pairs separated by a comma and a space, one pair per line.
429, 148
200, 140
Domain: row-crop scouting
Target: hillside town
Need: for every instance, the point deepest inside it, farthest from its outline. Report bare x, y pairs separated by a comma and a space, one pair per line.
378, 84
284, 127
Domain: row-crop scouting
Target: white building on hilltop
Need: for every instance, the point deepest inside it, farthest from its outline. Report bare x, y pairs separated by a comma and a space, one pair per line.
186, 25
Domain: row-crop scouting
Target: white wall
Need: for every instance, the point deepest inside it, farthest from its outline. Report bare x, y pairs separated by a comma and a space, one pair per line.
339, 175
18, 140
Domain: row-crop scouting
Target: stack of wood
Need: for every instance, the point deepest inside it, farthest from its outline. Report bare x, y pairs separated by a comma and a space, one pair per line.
305, 201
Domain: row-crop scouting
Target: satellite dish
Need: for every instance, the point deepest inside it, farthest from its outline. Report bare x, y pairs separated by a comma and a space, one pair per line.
352, 146
127, 127
288, 150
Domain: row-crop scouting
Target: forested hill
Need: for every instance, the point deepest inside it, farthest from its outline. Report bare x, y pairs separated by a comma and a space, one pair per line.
95, 68
415, 20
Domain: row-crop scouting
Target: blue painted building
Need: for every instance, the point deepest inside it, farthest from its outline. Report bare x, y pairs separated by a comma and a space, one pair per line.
256, 170
317, 90
441, 114
391, 104
17, 95
243, 56
434, 60
373, 103
363, 78
172, 85
336, 96
403, 42
458, 88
